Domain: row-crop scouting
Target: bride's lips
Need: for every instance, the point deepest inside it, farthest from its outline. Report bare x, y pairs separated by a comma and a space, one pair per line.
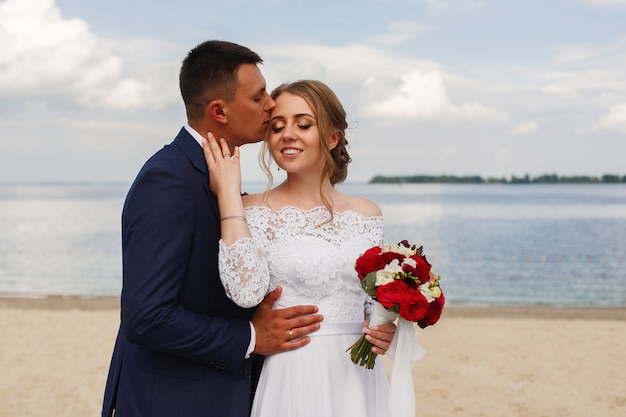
288, 152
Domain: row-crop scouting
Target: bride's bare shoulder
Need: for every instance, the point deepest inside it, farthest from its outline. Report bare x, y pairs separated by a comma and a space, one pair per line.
363, 206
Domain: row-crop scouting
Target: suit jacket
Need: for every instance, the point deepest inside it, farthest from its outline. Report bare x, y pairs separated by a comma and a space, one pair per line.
181, 345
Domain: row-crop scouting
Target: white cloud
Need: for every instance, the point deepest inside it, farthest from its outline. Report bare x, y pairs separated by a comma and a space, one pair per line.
422, 95
615, 120
574, 82
350, 63
45, 55
399, 32
419, 95
383, 85
574, 53
525, 128
39, 48
580, 68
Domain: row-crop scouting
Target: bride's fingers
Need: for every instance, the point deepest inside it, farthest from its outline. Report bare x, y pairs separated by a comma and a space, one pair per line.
206, 148
225, 151
209, 154
214, 146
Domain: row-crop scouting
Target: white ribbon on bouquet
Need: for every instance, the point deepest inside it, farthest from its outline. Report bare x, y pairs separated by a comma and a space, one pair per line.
404, 350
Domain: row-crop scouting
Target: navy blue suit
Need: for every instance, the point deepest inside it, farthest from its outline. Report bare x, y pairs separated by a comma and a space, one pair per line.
181, 345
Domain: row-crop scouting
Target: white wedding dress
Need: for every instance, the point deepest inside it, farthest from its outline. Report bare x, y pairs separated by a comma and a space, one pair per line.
314, 263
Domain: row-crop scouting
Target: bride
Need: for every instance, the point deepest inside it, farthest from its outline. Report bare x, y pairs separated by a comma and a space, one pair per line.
304, 235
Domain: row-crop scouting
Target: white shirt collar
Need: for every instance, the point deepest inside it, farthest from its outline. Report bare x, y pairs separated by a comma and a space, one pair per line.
197, 136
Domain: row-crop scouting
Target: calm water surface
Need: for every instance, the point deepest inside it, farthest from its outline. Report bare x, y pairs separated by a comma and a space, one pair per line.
493, 244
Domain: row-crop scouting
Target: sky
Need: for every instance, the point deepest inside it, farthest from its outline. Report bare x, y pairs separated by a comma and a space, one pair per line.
89, 89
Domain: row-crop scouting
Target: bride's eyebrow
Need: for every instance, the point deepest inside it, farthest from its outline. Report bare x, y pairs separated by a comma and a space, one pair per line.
295, 116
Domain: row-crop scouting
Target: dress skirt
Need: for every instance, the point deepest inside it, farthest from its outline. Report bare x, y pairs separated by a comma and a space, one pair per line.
320, 380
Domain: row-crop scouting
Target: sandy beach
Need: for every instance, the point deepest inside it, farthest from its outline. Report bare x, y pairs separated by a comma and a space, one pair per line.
522, 361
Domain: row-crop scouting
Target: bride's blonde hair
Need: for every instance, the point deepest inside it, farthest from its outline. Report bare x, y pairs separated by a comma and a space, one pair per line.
330, 117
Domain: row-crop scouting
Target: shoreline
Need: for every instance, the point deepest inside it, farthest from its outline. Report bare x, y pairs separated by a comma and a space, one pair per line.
69, 302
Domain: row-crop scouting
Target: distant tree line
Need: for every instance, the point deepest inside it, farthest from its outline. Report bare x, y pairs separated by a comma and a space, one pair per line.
475, 179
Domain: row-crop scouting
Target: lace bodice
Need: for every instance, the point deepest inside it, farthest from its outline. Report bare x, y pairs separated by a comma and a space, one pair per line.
313, 261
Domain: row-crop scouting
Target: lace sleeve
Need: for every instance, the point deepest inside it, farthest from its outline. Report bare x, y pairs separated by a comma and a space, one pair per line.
244, 272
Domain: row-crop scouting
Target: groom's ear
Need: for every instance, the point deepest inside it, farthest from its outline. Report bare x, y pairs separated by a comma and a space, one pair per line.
215, 110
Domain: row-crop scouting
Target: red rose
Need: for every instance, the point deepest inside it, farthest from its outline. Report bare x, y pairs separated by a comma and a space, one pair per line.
390, 256
422, 268
391, 294
370, 261
372, 251
434, 312
414, 306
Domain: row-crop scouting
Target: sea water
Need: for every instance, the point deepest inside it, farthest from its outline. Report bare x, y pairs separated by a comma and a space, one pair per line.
527, 244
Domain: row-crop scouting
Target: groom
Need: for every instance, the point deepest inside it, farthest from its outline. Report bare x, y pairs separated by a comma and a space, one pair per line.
183, 347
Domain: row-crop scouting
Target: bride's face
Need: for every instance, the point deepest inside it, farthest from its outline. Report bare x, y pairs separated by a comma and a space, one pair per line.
294, 139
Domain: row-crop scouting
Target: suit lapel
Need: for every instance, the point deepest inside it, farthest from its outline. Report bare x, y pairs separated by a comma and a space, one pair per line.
192, 149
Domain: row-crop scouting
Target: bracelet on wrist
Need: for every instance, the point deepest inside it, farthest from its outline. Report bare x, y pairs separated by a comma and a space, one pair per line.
242, 218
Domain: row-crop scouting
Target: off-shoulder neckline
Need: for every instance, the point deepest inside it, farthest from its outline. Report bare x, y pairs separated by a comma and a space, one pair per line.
310, 210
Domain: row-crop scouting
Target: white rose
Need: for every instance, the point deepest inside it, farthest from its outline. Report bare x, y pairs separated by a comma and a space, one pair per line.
410, 261
393, 266
404, 251
426, 292
385, 275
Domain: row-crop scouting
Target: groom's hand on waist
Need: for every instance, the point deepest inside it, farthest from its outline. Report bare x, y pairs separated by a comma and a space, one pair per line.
285, 329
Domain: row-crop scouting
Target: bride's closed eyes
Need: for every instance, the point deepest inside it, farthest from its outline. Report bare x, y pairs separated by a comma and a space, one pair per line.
278, 125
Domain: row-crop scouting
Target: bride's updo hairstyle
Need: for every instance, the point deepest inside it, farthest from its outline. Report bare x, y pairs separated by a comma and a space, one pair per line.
330, 117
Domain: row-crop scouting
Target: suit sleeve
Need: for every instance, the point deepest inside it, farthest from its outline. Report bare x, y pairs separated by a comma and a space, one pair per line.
159, 222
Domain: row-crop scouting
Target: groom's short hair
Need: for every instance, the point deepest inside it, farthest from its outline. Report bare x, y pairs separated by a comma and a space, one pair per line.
209, 72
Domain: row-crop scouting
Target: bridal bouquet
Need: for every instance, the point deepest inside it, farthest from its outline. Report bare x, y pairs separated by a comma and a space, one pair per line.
400, 280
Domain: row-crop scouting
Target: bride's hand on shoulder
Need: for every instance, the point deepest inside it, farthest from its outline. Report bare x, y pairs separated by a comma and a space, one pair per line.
224, 168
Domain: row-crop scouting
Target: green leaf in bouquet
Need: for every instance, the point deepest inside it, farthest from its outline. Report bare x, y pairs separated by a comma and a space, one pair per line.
369, 284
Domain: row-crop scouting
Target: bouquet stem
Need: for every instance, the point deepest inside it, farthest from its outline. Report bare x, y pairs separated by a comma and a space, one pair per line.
361, 353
